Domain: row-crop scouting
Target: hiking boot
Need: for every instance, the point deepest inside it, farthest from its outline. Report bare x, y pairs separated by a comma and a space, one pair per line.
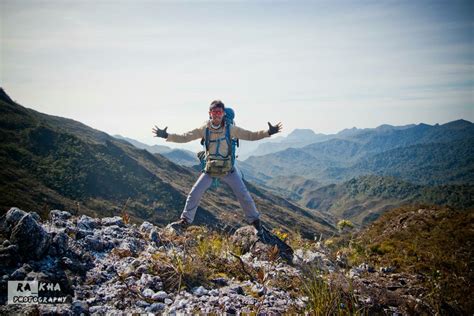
267, 237
179, 226
258, 225
260, 231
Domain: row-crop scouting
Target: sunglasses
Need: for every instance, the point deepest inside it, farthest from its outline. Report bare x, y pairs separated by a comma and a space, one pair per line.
216, 112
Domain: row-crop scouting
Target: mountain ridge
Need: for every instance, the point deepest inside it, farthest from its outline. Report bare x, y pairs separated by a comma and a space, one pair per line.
331, 160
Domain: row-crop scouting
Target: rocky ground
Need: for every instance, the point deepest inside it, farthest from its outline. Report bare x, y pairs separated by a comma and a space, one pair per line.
108, 266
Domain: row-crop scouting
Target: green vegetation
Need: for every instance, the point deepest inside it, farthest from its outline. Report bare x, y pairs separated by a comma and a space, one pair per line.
434, 243
329, 296
207, 255
343, 224
364, 199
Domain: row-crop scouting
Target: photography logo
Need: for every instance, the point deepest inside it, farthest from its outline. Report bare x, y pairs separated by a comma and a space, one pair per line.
35, 292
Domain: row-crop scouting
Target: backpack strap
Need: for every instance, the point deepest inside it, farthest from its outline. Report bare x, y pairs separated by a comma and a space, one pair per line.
206, 138
228, 140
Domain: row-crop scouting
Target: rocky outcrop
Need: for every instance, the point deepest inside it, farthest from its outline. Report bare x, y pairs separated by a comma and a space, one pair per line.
105, 266
108, 266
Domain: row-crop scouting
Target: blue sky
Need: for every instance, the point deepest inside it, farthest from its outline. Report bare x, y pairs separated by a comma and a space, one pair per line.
124, 66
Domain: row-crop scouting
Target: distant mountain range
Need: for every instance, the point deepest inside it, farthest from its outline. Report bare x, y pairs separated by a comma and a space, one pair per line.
358, 174
51, 162
423, 154
179, 156
299, 138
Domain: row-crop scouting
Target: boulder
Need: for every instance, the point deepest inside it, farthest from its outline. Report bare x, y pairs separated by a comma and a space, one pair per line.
32, 240
245, 238
12, 217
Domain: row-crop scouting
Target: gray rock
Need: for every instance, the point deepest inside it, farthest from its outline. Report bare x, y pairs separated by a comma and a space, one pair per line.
245, 237
200, 291
27, 267
353, 273
98, 309
308, 256
168, 301
9, 255
237, 290
110, 269
13, 216
155, 308
128, 248
49, 309
150, 281
61, 215
231, 310
141, 303
160, 296
35, 216
38, 276
148, 293
387, 269
10, 249
6, 243
146, 227
87, 223
116, 220
94, 243
154, 236
32, 240
75, 264
281, 302
142, 268
19, 274
136, 263
81, 233
60, 243
220, 281
181, 304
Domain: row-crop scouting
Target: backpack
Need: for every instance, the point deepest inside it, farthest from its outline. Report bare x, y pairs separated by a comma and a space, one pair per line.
232, 143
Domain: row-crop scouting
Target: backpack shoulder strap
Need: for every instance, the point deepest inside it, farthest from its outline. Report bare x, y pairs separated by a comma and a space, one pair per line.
206, 138
228, 140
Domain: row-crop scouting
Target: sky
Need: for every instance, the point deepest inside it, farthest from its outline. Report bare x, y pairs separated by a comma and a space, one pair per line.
124, 66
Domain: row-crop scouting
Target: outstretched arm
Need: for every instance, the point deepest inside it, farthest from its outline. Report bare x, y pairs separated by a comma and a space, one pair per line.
244, 134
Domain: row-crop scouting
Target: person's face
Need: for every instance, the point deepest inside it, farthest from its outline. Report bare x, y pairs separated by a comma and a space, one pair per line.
216, 115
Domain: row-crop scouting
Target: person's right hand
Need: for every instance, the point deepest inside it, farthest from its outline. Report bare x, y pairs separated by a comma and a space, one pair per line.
274, 129
160, 132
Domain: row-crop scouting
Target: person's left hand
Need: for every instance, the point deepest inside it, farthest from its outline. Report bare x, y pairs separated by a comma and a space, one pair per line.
160, 132
274, 129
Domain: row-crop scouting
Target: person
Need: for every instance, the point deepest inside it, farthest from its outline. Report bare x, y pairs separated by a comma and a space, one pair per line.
218, 163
